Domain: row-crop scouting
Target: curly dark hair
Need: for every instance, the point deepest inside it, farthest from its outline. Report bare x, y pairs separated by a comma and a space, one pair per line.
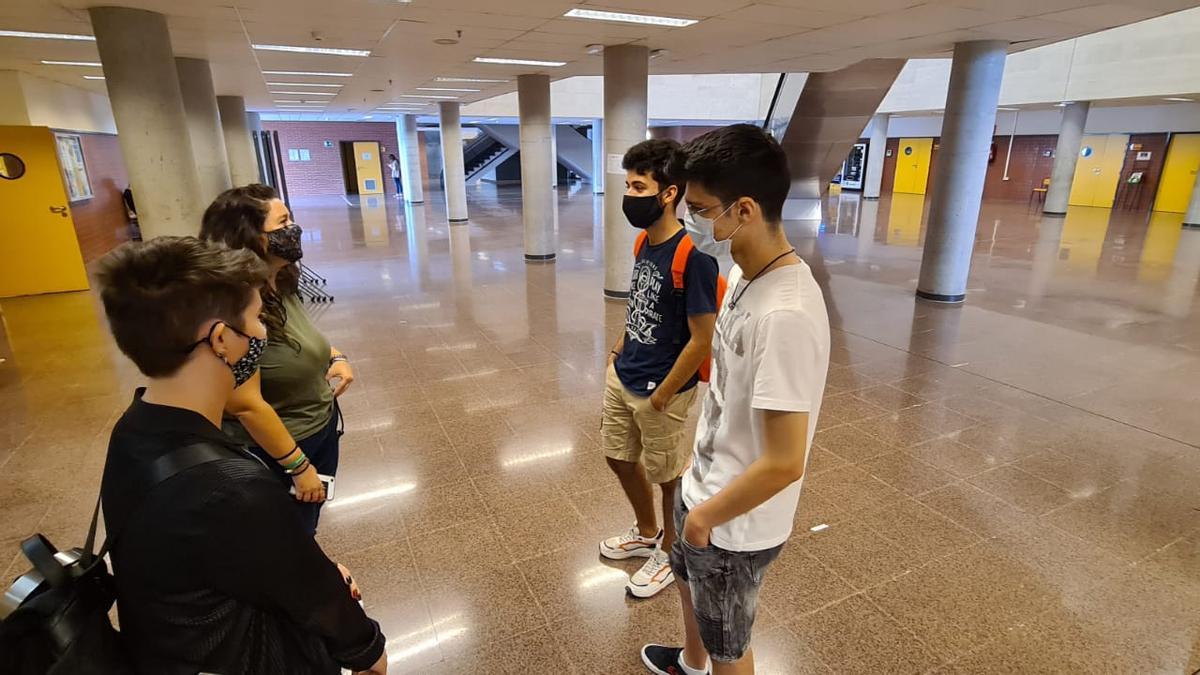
740, 160
236, 218
660, 159
158, 293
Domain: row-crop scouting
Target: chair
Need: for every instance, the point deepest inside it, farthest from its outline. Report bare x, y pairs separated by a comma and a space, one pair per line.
1040, 192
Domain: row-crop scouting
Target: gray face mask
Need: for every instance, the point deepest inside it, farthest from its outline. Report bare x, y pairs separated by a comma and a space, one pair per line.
244, 368
700, 229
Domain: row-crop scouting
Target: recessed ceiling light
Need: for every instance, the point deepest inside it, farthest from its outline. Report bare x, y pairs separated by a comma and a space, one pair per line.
46, 36
93, 77
658, 53
445, 41
624, 17
306, 93
303, 84
425, 96
594, 50
287, 101
519, 62
1008, 109
443, 89
305, 73
1064, 104
367, 117
467, 79
87, 64
313, 50
1177, 99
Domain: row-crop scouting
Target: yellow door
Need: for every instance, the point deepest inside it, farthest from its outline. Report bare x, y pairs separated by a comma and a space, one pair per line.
368, 168
1158, 248
1179, 174
1083, 234
39, 252
1098, 170
912, 165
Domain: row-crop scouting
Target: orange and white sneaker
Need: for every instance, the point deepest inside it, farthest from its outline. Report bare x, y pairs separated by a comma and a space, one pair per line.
654, 576
629, 545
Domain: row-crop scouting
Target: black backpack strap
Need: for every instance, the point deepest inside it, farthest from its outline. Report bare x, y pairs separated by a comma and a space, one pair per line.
161, 469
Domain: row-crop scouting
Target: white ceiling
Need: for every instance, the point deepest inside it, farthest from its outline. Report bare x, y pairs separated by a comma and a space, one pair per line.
732, 36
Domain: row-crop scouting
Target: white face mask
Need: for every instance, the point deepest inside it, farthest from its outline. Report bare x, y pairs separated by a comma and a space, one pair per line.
701, 231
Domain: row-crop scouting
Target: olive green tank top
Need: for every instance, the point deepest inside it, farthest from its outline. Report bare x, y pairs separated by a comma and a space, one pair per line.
293, 382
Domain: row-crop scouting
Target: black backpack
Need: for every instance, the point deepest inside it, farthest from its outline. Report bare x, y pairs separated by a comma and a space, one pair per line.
54, 620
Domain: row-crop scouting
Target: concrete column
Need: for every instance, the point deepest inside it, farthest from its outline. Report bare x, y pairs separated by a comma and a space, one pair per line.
410, 159
957, 189
553, 154
1066, 154
626, 70
204, 126
1192, 217
243, 162
597, 156
143, 88
254, 125
452, 160
876, 149
537, 196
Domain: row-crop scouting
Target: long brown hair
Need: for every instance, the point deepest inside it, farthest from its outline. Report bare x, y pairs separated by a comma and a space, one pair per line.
236, 218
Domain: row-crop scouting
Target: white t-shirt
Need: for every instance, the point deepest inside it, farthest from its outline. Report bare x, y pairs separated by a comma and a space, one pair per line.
394, 165
770, 352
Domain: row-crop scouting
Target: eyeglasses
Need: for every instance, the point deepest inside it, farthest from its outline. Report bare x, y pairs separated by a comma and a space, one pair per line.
700, 212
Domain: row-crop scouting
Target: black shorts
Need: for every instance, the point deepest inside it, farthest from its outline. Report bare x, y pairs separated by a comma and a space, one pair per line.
724, 586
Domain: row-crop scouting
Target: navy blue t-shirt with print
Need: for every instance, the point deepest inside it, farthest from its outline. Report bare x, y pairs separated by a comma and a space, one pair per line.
656, 327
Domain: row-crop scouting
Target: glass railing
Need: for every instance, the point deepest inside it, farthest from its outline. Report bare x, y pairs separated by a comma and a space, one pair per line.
783, 103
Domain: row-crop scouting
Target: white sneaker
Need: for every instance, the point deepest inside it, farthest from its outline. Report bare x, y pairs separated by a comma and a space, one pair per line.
629, 545
654, 576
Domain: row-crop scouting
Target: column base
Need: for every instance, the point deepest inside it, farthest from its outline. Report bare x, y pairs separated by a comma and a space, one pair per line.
419, 201
458, 220
938, 297
1192, 226
616, 295
549, 257
1054, 214
874, 199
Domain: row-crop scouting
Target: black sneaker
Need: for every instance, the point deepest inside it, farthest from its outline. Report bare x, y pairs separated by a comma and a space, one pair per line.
663, 660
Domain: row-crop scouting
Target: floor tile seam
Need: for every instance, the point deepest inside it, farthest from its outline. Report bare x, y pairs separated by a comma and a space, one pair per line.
915, 458
1104, 548
787, 628
905, 629
424, 588
895, 577
1032, 393
1013, 465
900, 544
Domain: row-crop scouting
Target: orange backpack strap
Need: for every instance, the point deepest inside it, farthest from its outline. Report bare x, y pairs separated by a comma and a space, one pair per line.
679, 263
640, 243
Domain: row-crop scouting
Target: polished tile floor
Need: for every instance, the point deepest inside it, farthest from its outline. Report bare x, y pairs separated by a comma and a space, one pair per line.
1009, 486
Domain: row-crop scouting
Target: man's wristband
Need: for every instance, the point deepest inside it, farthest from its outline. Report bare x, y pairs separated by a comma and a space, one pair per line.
339, 357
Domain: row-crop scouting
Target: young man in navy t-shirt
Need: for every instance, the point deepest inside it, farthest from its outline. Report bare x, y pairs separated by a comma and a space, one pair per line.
652, 372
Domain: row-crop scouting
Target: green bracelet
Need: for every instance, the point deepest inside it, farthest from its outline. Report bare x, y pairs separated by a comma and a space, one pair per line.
296, 462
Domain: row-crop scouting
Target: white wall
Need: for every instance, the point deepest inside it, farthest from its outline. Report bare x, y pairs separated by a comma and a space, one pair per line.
60, 106
12, 102
1173, 117
1158, 57
670, 97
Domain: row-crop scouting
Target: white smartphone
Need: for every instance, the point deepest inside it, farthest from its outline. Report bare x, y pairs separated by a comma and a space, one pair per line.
327, 481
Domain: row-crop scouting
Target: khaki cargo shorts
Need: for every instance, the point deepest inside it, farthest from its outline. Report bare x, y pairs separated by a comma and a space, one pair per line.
631, 430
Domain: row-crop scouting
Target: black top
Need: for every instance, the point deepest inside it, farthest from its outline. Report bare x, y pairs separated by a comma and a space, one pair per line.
656, 327
215, 572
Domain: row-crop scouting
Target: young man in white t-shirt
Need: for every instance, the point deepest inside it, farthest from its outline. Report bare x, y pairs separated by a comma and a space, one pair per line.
769, 360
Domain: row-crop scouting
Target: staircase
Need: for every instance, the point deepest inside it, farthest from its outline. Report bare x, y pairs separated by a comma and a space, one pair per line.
480, 154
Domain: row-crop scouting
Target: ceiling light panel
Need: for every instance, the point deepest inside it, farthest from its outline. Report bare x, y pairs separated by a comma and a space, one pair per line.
303, 84
427, 96
624, 17
93, 77
479, 80
305, 93
329, 51
445, 89
306, 73
518, 62
86, 64
46, 36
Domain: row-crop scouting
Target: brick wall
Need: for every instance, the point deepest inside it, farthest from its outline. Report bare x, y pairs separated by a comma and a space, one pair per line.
322, 175
1026, 170
100, 222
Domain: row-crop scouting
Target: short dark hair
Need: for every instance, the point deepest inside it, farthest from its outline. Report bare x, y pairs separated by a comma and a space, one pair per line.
660, 159
740, 160
157, 294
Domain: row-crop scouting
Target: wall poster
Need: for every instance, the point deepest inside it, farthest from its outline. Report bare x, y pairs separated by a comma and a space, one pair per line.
70, 159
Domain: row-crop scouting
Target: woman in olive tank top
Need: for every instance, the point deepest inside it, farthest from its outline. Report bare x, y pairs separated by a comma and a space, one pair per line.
287, 413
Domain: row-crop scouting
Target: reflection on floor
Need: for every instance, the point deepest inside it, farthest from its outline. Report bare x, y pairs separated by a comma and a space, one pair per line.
1009, 485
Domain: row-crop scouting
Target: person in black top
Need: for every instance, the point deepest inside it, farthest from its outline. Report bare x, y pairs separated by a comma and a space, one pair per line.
215, 571
653, 367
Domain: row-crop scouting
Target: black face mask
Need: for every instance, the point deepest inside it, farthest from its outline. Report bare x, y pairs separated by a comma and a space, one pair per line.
642, 212
285, 243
